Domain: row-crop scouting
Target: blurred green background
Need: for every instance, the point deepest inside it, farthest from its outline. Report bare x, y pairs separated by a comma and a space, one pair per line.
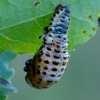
81, 80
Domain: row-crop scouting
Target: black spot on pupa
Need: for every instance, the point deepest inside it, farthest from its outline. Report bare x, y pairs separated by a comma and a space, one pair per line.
61, 9
38, 72
64, 38
44, 38
62, 69
67, 11
40, 37
57, 11
30, 80
40, 79
47, 54
54, 69
28, 62
59, 36
63, 63
55, 62
64, 26
64, 51
36, 3
62, 20
38, 66
54, 15
50, 35
50, 23
52, 75
46, 29
40, 60
46, 68
49, 81
45, 87
44, 73
52, 19
58, 46
65, 57
59, 75
26, 69
33, 85
57, 56
49, 48
38, 82
40, 54
67, 14
46, 61
57, 50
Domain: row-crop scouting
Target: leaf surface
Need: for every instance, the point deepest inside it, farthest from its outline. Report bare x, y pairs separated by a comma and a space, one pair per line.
22, 22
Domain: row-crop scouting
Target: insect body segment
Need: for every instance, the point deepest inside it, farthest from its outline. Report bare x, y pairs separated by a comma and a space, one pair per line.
51, 60
59, 24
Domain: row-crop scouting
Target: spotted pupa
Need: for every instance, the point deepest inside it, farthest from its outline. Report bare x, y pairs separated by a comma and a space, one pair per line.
51, 60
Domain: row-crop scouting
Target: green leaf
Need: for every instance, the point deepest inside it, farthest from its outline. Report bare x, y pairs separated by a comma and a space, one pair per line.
6, 74
22, 22
3, 97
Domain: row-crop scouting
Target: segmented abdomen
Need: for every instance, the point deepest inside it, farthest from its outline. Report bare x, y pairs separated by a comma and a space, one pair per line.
50, 62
